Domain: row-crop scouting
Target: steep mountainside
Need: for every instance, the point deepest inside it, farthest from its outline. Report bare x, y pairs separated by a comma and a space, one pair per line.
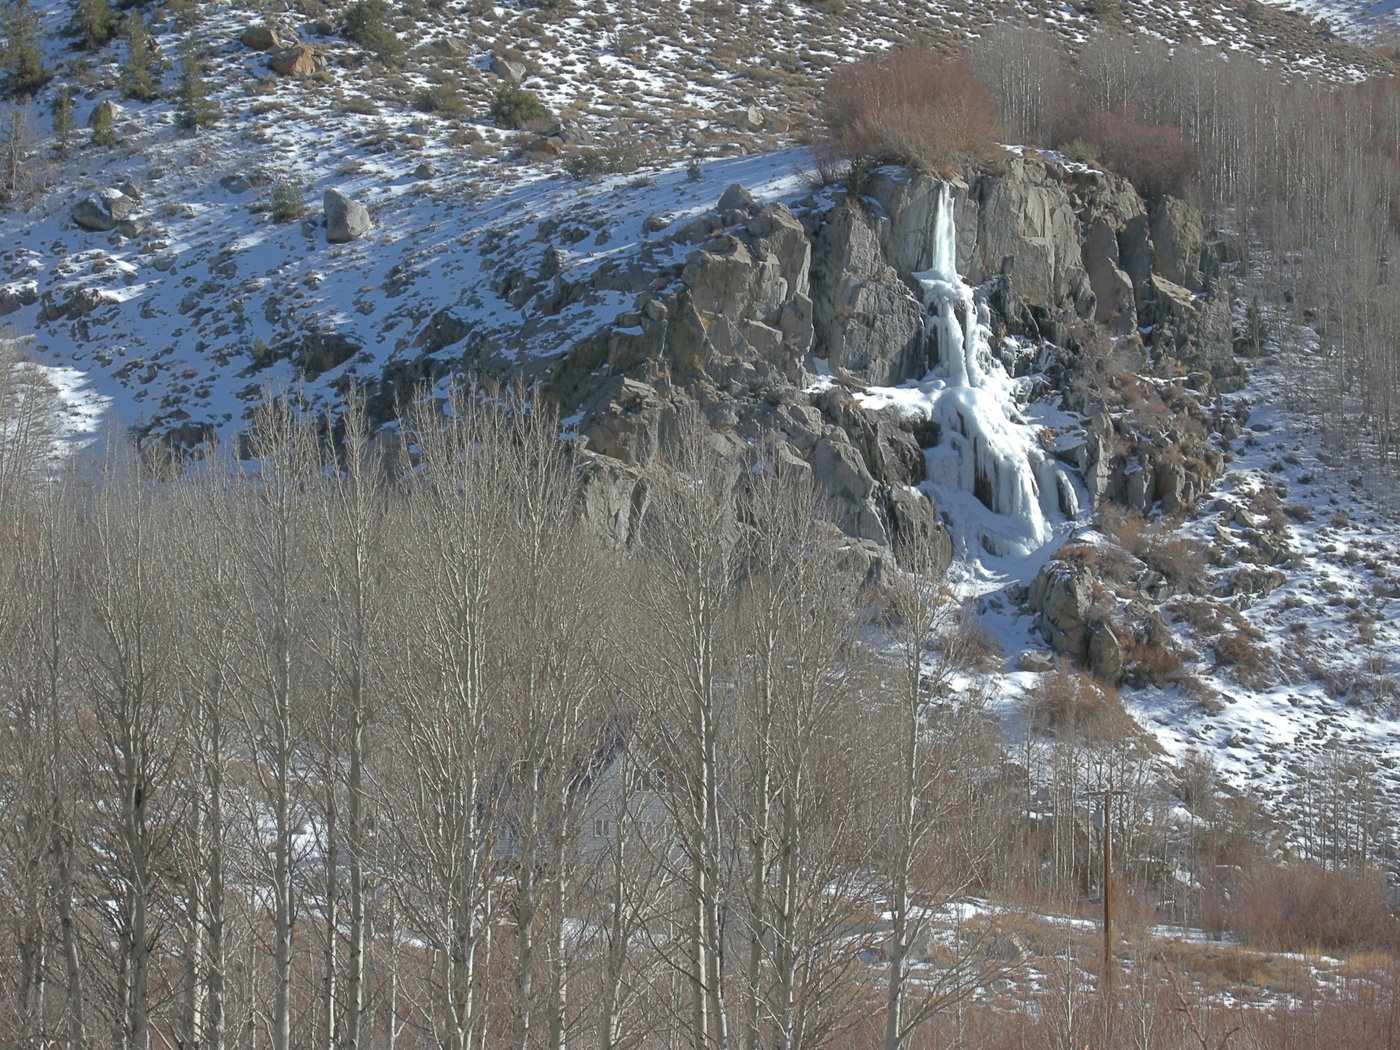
1028, 369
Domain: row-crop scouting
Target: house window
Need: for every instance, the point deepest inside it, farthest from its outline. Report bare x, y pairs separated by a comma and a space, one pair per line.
602, 829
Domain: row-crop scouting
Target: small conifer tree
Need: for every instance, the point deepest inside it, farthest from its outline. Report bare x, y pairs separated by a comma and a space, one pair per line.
21, 59
104, 132
93, 24
63, 120
194, 109
140, 70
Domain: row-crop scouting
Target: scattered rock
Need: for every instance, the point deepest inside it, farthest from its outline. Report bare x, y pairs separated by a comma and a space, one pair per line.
317, 352
134, 225
570, 133
1038, 661
510, 71
346, 220
737, 198
296, 60
426, 170
263, 38
103, 210
13, 296
750, 118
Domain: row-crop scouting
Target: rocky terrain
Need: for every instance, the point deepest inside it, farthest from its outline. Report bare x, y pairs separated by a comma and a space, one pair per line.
661, 244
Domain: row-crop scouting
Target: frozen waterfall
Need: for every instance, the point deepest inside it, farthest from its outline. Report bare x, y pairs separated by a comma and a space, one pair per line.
1003, 494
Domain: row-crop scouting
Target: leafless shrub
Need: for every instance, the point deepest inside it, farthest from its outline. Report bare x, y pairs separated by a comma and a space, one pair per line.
1071, 704
909, 106
1308, 905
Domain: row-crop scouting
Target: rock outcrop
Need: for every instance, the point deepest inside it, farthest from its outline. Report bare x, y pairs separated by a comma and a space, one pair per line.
770, 319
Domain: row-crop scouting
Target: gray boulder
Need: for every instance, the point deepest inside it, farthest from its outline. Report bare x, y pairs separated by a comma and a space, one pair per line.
720, 278
1115, 305
1030, 233
13, 296
778, 235
737, 198
346, 220
1178, 238
1063, 594
102, 211
507, 70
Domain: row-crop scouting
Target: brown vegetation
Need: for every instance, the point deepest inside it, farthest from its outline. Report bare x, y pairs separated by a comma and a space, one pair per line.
909, 106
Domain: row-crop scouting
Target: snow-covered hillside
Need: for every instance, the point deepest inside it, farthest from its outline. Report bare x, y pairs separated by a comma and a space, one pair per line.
179, 325
1358, 19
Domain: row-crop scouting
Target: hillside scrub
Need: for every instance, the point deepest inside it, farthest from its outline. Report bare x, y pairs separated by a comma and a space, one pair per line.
909, 106
515, 108
1156, 158
322, 654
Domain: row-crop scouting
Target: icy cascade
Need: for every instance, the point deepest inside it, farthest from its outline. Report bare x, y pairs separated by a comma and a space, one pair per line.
1003, 493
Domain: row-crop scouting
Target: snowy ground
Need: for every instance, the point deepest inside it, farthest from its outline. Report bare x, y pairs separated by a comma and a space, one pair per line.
172, 327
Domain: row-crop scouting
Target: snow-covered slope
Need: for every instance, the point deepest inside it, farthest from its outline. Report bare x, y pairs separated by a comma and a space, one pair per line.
1365, 20
180, 329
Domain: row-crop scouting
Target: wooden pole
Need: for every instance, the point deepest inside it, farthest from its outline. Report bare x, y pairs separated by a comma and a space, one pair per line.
1106, 983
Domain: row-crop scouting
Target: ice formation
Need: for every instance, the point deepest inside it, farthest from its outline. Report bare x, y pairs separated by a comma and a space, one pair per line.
1002, 493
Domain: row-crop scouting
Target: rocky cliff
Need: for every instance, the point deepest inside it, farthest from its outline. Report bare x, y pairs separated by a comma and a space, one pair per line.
780, 319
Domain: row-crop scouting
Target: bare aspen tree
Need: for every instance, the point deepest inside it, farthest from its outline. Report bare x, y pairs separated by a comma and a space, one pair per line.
627, 866
800, 806
559, 724
123, 630
358, 515
1025, 69
275, 616
36, 808
206, 557
932, 709
690, 544
446, 788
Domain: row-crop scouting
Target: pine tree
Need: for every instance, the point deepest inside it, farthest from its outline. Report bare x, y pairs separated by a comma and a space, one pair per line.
93, 24
103, 131
63, 120
194, 108
20, 57
140, 70
15, 177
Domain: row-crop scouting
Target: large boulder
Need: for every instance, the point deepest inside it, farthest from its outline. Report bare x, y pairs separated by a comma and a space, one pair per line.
776, 234
1178, 240
104, 210
843, 478
509, 71
1114, 302
295, 60
265, 37
346, 220
720, 278
1193, 333
1063, 594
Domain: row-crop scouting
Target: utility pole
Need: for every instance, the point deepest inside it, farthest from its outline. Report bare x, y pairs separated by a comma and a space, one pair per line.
1107, 985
